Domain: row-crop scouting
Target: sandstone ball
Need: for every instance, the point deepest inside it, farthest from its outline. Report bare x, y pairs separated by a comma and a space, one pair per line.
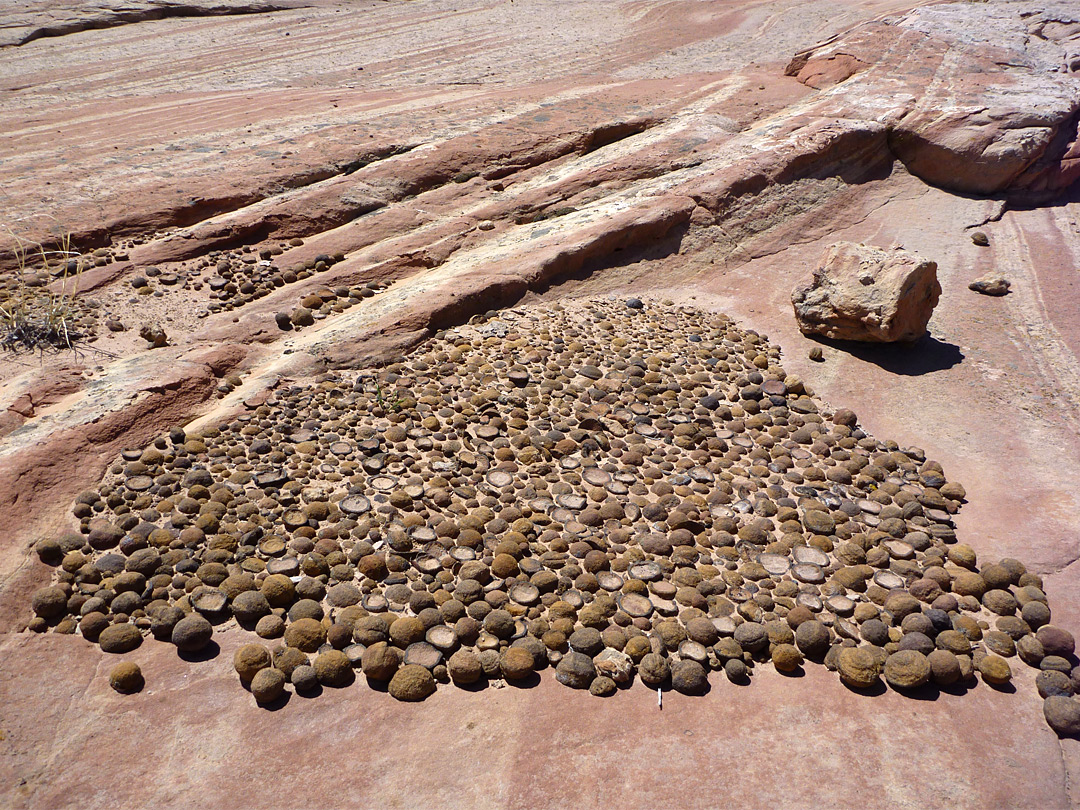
517, 663
305, 634
120, 638
1062, 715
192, 633
689, 677
858, 667
464, 668
907, 669
268, 685
249, 659
412, 682
333, 668
126, 678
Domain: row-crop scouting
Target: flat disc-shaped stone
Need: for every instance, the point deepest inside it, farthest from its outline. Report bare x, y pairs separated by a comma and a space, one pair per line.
287, 566
840, 605
139, 483
572, 500
775, 564
811, 601
354, 505
808, 572
701, 475
376, 603
422, 534
646, 571
596, 476
810, 555
294, 519
269, 479
500, 479
442, 637
609, 580
888, 580
636, 605
693, 651
525, 593
427, 565
424, 654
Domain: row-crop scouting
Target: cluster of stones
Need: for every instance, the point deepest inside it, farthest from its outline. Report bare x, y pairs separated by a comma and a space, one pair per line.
235, 278
326, 301
612, 489
240, 277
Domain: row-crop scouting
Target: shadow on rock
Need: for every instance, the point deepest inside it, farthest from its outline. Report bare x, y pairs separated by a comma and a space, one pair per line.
876, 690
312, 691
207, 653
925, 356
478, 685
278, 704
528, 682
927, 692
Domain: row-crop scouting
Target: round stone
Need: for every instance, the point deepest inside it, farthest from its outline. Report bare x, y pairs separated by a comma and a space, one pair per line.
603, 686
305, 634
1062, 715
270, 627
249, 659
250, 606
268, 685
752, 636
587, 640
653, 670
192, 633
1000, 602
813, 639
126, 678
858, 667
120, 638
333, 668
1051, 682
907, 669
517, 663
464, 668
689, 677
944, 667
995, 670
1056, 641
49, 603
575, 670
380, 661
786, 658
412, 682
304, 678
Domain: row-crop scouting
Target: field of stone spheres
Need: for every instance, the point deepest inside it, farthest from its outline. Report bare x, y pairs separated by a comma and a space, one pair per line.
539, 403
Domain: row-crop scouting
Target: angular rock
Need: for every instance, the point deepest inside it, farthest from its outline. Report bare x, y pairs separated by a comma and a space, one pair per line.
864, 293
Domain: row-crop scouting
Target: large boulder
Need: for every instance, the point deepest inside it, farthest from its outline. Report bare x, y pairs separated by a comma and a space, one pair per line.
865, 293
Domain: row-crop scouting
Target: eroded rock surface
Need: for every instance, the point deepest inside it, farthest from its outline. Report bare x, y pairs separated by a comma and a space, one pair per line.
976, 101
385, 171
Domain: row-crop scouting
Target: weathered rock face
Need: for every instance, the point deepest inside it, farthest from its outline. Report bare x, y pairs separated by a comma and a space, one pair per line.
864, 293
982, 102
577, 137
